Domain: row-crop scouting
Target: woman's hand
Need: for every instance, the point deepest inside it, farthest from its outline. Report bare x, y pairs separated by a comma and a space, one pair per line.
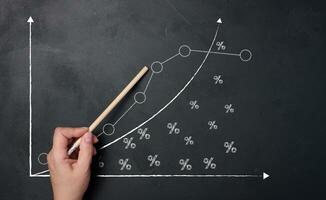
70, 175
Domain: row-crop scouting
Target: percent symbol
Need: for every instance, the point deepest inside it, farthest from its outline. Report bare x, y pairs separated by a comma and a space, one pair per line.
173, 128
143, 134
100, 163
185, 164
153, 160
218, 79
124, 164
194, 105
220, 45
212, 125
230, 147
209, 163
189, 140
129, 143
229, 108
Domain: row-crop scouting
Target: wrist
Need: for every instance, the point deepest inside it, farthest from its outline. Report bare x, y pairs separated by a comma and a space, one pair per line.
67, 197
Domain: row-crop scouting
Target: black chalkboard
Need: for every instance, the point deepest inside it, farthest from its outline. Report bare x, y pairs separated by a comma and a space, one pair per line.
232, 108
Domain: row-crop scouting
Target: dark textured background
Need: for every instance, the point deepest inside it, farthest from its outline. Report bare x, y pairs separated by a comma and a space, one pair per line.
85, 51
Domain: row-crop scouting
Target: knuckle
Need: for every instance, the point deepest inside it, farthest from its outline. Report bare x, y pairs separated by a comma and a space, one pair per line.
57, 130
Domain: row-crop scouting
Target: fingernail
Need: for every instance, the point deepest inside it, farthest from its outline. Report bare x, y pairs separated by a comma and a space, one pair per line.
88, 138
85, 128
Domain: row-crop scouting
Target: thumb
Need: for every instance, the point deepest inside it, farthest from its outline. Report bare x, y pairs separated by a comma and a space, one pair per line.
86, 151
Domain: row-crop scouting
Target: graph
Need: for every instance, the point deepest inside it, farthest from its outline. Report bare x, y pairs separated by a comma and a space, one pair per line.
141, 133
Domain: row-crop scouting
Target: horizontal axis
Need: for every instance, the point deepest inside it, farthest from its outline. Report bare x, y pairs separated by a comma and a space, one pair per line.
171, 175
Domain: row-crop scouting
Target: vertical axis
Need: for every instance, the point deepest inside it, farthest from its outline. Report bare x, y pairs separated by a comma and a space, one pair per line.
30, 21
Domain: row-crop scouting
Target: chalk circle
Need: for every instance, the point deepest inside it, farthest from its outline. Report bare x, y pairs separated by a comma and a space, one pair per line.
156, 67
184, 50
245, 55
42, 159
101, 164
108, 129
140, 97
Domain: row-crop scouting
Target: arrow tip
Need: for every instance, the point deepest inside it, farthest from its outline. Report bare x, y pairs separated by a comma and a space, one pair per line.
219, 21
265, 175
30, 20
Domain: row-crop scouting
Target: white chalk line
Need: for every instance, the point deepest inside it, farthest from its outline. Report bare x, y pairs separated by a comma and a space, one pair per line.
180, 175
165, 61
40, 176
176, 96
215, 52
132, 105
149, 80
42, 172
100, 134
169, 176
30, 98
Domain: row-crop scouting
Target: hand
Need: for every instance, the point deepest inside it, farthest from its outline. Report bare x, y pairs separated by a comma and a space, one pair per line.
70, 175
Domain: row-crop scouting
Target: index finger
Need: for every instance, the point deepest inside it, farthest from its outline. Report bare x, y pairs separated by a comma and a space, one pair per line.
61, 138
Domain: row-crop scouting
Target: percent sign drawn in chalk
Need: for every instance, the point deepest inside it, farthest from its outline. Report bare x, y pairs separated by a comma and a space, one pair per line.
230, 147
194, 105
229, 108
153, 160
124, 164
209, 164
143, 134
189, 140
173, 128
129, 143
220, 45
218, 79
100, 163
185, 165
212, 125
